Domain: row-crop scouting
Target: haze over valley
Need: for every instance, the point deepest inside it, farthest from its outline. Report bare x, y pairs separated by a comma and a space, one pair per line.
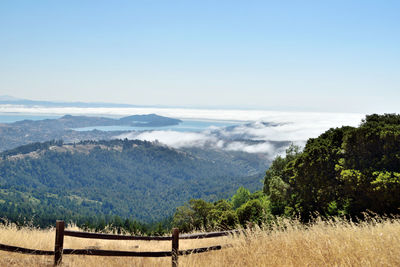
253, 131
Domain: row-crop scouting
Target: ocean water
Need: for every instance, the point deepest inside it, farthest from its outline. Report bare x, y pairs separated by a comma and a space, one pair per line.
184, 126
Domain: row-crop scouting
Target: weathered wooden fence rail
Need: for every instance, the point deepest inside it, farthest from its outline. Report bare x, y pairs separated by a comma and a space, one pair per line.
174, 253
25, 250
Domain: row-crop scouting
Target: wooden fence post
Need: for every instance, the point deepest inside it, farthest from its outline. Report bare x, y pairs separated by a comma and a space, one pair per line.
175, 246
59, 244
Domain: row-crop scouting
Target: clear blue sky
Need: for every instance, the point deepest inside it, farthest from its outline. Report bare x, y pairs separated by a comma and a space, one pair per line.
318, 55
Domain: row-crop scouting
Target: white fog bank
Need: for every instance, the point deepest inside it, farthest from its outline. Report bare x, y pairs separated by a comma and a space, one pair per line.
256, 131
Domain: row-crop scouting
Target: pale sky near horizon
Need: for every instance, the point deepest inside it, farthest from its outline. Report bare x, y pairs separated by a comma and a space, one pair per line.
341, 56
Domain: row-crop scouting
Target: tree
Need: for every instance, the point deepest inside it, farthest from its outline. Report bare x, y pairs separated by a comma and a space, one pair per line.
276, 180
193, 215
201, 208
251, 211
183, 218
278, 195
314, 181
370, 166
221, 216
242, 196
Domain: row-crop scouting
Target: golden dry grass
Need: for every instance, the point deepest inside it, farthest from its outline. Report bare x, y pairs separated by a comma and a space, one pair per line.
332, 243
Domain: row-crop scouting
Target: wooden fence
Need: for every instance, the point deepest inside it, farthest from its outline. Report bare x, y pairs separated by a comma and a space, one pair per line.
174, 253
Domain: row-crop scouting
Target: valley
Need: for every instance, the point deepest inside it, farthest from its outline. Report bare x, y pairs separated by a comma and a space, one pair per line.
135, 179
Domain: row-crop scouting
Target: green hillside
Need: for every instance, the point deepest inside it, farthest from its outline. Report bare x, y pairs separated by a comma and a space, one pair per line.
132, 179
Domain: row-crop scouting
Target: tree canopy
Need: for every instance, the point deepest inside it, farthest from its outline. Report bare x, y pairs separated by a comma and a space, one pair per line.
346, 171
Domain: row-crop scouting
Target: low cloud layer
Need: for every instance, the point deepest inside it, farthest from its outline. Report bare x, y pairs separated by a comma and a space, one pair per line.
257, 131
208, 138
175, 139
267, 137
187, 113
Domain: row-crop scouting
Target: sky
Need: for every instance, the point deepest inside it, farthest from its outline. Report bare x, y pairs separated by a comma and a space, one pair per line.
331, 56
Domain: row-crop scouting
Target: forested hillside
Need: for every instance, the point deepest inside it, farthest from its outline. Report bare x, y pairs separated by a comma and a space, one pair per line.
133, 179
345, 171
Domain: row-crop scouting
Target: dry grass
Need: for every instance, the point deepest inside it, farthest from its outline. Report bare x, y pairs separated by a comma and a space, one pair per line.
333, 243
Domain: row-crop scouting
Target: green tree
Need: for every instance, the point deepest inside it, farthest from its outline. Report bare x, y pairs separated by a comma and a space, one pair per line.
278, 195
251, 211
221, 216
277, 177
314, 183
242, 196
370, 165
201, 209
183, 218
193, 215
